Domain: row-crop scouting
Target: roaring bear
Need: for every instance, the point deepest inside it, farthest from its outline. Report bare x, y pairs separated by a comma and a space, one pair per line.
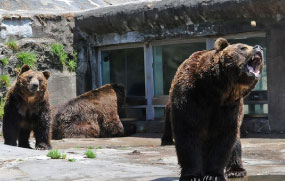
92, 114
27, 109
206, 109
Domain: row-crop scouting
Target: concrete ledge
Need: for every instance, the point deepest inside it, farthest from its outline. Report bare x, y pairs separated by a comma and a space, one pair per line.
169, 14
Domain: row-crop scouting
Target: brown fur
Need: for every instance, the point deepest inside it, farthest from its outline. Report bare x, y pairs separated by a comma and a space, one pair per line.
206, 109
92, 114
27, 109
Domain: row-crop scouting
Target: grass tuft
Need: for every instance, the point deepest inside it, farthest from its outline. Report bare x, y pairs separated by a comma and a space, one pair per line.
55, 154
58, 50
27, 58
5, 80
71, 65
71, 160
4, 61
12, 45
2, 104
90, 154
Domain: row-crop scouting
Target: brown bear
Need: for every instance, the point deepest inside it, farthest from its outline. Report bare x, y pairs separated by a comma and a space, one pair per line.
91, 115
206, 108
27, 109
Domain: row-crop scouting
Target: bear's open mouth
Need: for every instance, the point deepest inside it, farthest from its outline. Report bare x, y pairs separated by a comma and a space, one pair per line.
253, 64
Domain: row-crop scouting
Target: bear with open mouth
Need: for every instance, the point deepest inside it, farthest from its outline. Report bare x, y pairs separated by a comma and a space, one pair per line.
205, 109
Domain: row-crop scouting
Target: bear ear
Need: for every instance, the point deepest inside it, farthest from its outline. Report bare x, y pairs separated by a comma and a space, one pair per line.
220, 44
24, 68
46, 74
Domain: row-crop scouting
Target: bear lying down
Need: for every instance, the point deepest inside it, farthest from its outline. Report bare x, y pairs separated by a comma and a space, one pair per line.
92, 114
27, 109
205, 109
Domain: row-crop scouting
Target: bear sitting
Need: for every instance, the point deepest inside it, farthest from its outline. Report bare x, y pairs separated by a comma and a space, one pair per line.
91, 115
206, 107
27, 109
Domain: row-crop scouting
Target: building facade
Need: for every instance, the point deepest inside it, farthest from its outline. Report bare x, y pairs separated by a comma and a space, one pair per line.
140, 45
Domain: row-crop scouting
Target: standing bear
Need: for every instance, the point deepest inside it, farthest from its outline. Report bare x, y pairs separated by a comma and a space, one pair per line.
91, 115
206, 107
27, 109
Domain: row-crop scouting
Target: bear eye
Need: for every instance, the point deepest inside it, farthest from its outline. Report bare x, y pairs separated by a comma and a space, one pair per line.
40, 80
29, 78
243, 48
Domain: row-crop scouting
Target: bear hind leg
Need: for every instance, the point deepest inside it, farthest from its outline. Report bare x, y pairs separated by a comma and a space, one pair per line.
167, 138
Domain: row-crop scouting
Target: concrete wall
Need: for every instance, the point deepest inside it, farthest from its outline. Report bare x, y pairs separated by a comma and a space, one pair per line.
61, 86
276, 77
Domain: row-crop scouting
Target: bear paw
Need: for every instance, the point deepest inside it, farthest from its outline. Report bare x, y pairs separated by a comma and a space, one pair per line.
213, 178
43, 146
190, 178
236, 173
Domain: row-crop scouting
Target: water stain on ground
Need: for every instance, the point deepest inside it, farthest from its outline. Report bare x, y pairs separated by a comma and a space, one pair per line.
249, 178
261, 178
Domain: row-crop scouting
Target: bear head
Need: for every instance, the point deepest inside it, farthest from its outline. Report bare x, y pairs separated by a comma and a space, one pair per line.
32, 83
240, 64
120, 93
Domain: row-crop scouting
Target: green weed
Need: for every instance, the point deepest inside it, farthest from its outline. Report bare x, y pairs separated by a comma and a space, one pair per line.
99, 147
12, 45
27, 58
5, 80
63, 156
90, 147
55, 154
4, 61
90, 154
2, 104
71, 160
58, 50
71, 65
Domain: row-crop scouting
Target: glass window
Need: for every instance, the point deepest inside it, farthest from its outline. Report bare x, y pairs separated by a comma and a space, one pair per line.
124, 66
166, 60
255, 107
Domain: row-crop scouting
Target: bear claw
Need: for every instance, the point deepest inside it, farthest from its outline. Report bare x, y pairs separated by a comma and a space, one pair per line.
42, 146
190, 178
213, 178
236, 173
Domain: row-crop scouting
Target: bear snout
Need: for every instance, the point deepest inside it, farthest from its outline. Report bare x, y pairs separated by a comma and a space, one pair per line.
34, 84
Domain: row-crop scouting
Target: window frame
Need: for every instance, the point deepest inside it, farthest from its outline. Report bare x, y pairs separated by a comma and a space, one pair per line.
160, 101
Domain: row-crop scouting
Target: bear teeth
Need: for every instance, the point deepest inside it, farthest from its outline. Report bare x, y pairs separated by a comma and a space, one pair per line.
251, 70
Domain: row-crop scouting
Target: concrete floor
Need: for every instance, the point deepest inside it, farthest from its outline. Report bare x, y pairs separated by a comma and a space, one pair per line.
136, 158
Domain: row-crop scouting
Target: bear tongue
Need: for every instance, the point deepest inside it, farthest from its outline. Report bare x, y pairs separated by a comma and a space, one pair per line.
251, 69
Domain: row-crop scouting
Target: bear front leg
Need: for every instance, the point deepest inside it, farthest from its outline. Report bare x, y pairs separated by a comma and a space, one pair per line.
10, 128
188, 151
217, 157
10, 133
42, 131
23, 138
235, 168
